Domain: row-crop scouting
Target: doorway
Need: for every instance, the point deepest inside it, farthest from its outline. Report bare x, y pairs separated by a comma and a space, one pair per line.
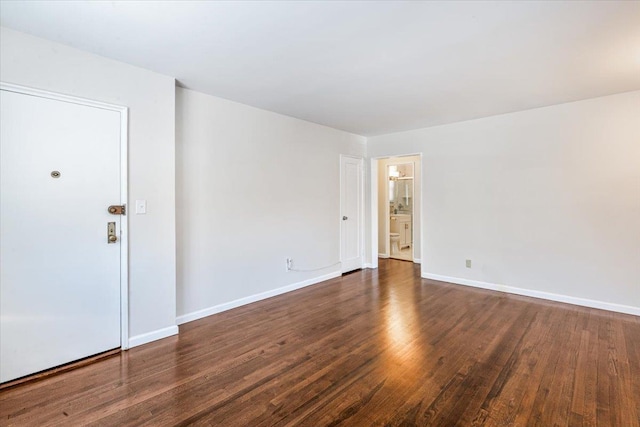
396, 208
63, 250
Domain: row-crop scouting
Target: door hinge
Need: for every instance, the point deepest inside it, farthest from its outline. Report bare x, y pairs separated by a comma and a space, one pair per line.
117, 209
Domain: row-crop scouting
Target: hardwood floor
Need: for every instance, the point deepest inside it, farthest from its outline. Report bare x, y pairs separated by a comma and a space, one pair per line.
376, 347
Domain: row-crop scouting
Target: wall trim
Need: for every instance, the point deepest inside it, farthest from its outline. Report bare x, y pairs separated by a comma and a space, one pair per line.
417, 260
383, 256
153, 336
602, 305
369, 265
199, 314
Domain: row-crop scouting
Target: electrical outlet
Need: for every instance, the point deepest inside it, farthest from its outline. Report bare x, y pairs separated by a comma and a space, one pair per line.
289, 264
468, 263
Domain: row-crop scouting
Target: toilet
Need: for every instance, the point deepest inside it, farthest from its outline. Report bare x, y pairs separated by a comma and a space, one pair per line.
395, 242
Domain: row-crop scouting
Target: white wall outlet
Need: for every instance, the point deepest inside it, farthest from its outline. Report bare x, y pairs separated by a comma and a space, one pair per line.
468, 263
141, 207
289, 264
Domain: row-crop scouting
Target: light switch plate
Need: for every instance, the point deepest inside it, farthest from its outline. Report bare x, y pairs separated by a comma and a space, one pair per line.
141, 207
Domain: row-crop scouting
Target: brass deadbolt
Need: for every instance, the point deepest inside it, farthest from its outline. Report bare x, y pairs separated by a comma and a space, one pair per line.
117, 209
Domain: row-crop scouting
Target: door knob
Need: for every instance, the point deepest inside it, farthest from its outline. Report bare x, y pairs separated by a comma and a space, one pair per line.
113, 239
344, 218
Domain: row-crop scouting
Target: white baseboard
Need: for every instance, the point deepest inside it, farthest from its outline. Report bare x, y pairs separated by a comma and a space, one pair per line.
153, 336
189, 317
602, 305
368, 265
383, 256
417, 260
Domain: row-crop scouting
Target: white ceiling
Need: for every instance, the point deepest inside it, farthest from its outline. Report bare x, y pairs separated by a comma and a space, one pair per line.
365, 67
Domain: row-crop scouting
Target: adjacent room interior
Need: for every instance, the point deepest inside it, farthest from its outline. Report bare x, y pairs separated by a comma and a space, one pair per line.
320, 213
398, 184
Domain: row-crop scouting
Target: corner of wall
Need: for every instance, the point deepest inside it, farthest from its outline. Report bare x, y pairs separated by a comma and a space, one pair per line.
152, 336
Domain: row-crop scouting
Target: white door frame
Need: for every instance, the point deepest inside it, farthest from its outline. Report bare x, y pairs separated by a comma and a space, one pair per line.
124, 222
374, 206
362, 226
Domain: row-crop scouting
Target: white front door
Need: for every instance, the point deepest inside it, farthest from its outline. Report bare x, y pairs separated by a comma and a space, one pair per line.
60, 278
351, 217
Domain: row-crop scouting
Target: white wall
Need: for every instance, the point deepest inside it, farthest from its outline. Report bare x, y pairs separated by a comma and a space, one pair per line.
383, 205
544, 200
38, 63
253, 188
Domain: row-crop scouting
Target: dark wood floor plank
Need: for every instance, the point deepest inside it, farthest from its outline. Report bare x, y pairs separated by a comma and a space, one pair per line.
373, 348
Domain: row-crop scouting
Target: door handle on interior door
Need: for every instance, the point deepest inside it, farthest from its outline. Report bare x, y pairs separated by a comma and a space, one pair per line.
344, 218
